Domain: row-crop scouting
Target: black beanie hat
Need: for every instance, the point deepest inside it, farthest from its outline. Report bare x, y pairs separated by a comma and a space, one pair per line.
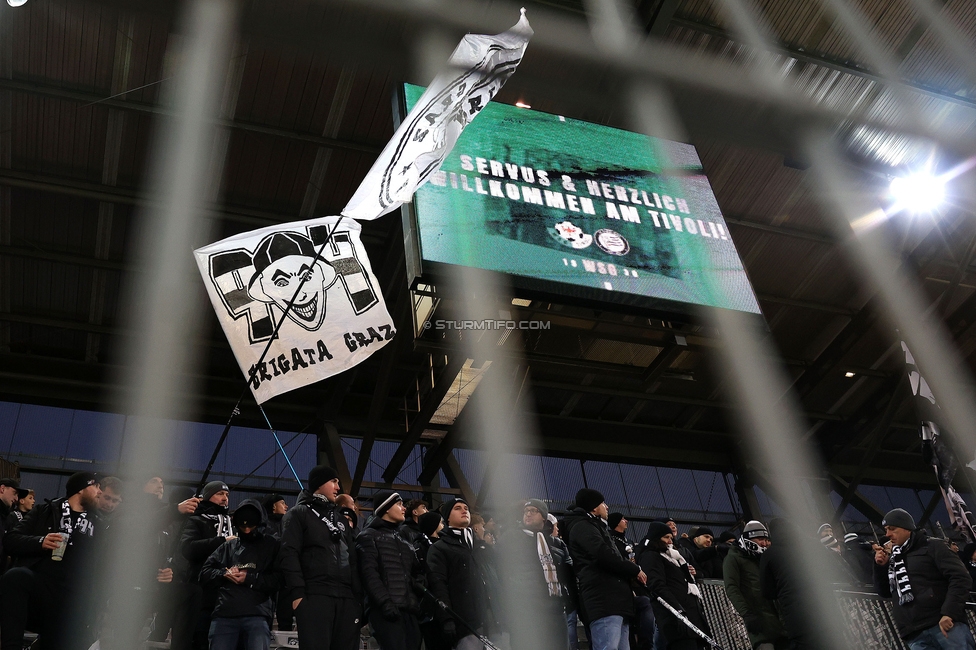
899, 519
180, 493
588, 499
78, 482
319, 476
614, 519
212, 488
429, 521
657, 529
383, 501
269, 501
448, 505
702, 531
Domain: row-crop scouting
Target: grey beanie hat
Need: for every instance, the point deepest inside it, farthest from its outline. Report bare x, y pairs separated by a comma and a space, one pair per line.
538, 505
212, 488
899, 519
755, 529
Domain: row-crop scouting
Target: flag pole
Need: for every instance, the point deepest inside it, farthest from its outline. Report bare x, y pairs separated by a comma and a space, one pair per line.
254, 369
281, 447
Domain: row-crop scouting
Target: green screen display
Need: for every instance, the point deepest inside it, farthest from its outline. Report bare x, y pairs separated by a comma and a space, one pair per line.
582, 210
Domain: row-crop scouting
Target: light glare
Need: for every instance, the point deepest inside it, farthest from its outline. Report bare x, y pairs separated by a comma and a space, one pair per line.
919, 192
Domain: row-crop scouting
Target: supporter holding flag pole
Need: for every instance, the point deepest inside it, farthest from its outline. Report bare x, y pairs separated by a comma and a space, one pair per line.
936, 450
298, 302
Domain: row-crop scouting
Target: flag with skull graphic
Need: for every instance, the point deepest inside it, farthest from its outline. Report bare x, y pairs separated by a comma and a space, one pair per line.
338, 318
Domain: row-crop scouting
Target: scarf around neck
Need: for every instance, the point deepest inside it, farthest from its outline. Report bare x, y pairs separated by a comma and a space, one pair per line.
674, 557
81, 527
898, 579
464, 534
225, 528
750, 548
545, 559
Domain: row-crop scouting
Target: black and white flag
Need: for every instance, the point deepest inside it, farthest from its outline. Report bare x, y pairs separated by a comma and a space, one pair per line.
479, 67
337, 320
935, 448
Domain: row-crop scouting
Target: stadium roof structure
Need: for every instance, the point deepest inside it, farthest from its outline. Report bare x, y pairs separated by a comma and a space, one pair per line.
306, 108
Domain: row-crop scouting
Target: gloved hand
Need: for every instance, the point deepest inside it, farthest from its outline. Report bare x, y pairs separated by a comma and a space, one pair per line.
390, 611
450, 634
754, 625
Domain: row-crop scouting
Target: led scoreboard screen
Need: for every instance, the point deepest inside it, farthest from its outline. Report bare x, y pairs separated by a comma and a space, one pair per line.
570, 208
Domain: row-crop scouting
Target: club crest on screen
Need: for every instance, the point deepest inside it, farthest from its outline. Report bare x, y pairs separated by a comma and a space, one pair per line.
568, 234
611, 242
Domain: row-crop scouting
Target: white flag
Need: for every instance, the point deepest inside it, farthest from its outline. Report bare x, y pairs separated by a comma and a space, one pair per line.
337, 321
479, 67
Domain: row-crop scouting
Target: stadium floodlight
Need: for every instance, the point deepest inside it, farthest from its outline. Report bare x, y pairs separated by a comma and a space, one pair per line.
919, 192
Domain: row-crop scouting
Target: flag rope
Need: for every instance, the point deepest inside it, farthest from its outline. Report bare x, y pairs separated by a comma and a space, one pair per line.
283, 452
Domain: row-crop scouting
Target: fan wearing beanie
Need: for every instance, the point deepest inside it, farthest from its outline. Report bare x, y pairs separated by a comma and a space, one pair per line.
669, 576
458, 570
203, 533
320, 565
533, 570
742, 586
927, 583
390, 572
604, 576
54, 552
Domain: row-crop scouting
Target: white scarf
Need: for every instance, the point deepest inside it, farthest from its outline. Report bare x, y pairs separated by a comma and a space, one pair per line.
548, 565
224, 526
675, 558
464, 534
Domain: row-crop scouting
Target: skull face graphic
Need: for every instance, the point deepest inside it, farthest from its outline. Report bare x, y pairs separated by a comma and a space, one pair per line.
284, 260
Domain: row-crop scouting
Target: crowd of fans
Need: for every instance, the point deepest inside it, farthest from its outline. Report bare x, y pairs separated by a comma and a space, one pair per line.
443, 578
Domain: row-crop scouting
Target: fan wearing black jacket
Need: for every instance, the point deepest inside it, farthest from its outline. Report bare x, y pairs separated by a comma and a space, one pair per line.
318, 559
668, 577
390, 572
246, 570
460, 577
928, 586
41, 593
606, 597
203, 533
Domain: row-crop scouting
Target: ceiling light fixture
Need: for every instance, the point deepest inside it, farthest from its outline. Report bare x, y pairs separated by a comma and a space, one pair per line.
920, 192
848, 374
522, 105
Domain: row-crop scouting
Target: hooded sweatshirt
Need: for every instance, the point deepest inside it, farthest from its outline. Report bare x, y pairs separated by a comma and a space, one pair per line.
256, 553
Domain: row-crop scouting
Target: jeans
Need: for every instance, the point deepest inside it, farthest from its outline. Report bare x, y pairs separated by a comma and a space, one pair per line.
225, 633
609, 633
645, 623
932, 639
571, 619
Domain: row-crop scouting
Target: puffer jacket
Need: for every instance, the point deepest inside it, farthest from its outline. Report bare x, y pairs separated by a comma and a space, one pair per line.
940, 586
259, 555
604, 577
318, 558
389, 567
744, 589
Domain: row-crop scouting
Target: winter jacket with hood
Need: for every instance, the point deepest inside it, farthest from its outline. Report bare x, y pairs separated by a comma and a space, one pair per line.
603, 576
460, 577
670, 582
389, 567
199, 538
743, 587
258, 554
319, 558
940, 586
